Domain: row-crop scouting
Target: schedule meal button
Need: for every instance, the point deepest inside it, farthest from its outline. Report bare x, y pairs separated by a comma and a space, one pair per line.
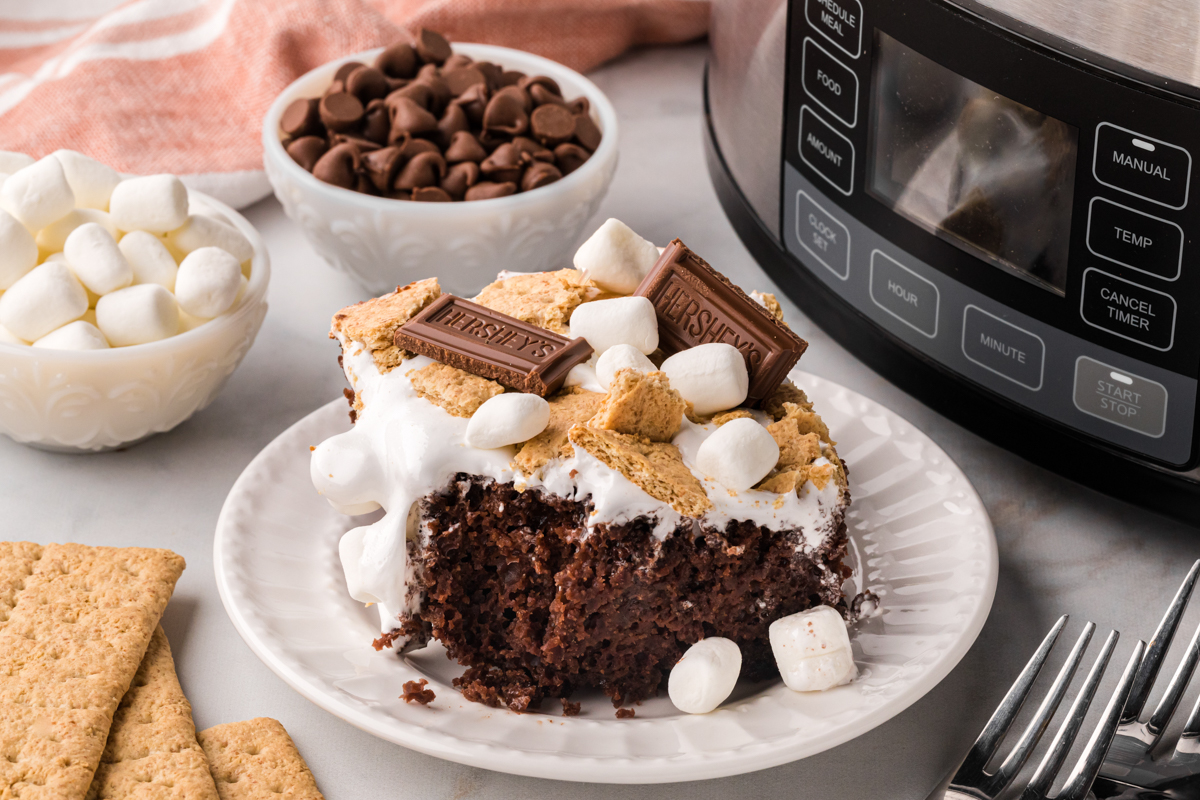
1003, 348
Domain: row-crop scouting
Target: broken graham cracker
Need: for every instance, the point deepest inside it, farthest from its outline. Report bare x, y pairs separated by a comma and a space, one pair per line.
152, 751
729, 416
545, 299
374, 322
770, 302
799, 435
568, 407
257, 760
74, 636
641, 404
787, 392
458, 392
656, 468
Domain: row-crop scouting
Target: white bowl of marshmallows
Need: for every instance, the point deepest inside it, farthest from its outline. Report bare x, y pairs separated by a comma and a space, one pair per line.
125, 303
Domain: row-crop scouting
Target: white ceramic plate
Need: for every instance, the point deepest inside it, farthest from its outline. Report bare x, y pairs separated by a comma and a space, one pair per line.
919, 533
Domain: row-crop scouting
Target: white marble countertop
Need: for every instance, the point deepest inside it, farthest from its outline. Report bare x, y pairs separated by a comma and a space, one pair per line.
1063, 548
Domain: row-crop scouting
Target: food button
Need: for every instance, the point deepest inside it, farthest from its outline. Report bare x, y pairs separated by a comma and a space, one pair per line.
1120, 397
830, 83
840, 21
826, 151
1128, 310
1144, 167
824, 237
1135, 240
904, 294
1003, 348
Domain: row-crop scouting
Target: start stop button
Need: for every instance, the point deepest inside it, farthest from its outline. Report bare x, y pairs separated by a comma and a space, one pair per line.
1120, 397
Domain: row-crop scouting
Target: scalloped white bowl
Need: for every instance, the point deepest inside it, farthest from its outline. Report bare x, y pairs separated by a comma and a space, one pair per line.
95, 400
384, 243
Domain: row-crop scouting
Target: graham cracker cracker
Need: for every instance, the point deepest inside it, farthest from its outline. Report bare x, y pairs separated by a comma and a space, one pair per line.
729, 416
152, 752
799, 434
567, 408
545, 299
457, 391
374, 322
770, 302
257, 760
77, 625
641, 404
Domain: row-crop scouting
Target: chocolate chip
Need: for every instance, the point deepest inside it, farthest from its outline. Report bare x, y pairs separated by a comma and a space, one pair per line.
524, 144
413, 147
510, 78
363, 184
474, 101
432, 46
339, 166
541, 80
419, 93
396, 194
429, 76
410, 118
398, 61
570, 157
301, 118
344, 70
504, 164
377, 122
341, 112
456, 61
465, 147
519, 94
461, 79
552, 124
541, 96
505, 113
538, 175
580, 105
453, 121
363, 145
423, 169
493, 139
431, 194
307, 150
490, 191
334, 88
586, 132
459, 178
382, 166
367, 83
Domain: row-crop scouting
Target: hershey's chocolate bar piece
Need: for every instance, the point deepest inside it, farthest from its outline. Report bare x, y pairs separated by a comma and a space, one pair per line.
484, 342
698, 305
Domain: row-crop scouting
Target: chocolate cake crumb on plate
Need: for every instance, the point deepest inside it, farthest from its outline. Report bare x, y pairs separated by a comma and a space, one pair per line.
415, 692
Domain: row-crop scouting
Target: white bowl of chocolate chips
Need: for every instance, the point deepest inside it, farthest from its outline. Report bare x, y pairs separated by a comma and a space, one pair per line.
433, 159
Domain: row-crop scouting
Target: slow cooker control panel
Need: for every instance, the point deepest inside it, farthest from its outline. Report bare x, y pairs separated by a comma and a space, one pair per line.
1011, 214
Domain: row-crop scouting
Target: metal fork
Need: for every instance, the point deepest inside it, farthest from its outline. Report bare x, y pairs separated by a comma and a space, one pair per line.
1129, 770
972, 781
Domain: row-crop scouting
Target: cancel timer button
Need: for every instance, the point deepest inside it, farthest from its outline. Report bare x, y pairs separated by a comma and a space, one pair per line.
1128, 310
1120, 397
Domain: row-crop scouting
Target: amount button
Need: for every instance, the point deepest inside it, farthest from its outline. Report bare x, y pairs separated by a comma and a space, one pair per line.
827, 152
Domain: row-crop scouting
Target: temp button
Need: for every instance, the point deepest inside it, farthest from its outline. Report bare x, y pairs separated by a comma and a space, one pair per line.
1144, 167
1120, 397
1128, 310
1003, 348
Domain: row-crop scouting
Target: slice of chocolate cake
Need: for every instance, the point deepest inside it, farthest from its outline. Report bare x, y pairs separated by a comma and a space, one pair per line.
670, 486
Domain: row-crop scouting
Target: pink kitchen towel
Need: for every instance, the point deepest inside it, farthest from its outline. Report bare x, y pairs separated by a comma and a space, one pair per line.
181, 85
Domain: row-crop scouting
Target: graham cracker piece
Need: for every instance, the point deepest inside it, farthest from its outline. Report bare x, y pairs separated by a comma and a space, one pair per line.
770, 302
374, 322
257, 760
656, 468
799, 435
568, 407
545, 299
729, 416
787, 392
77, 628
455, 390
641, 404
152, 752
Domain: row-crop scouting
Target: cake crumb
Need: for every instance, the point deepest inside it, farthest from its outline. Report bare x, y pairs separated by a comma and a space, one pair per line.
386, 640
641, 404
570, 709
567, 408
415, 692
730, 416
545, 299
626, 713
374, 322
456, 391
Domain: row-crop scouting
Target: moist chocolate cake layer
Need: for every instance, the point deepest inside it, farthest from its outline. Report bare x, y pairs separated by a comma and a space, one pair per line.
519, 591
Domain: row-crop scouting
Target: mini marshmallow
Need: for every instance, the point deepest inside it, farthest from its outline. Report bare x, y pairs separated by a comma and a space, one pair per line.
7, 337
705, 676
48, 297
137, 314
712, 377
77, 335
53, 237
150, 259
812, 650
90, 181
10, 162
615, 258
38, 194
621, 356
621, 320
18, 250
94, 257
738, 454
507, 419
204, 231
187, 322
207, 282
154, 203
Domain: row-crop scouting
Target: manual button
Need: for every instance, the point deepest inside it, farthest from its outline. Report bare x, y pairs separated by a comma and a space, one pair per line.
1128, 310
1144, 167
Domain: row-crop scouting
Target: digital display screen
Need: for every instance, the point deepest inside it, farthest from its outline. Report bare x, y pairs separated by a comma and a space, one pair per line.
987, 174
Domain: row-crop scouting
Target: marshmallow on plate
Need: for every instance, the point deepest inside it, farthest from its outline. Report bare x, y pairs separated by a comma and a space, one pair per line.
812, 650
154, 203
90, 181
615, 258
7, 337
712, 377
621, 356
94, 257
18, 250
205, 231
48, 297
150, 259
10, 162
738, 454
207, 282
621, 320
38, 194
506, 419
53, 237
705, 676
77, 335
138, 314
